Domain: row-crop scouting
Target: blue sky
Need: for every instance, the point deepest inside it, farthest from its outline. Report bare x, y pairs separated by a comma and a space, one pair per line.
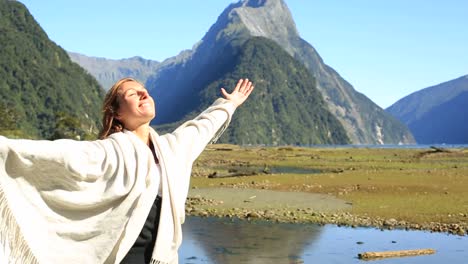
385, 49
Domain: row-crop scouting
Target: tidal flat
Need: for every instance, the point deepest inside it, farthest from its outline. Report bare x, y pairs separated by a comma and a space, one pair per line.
419, 188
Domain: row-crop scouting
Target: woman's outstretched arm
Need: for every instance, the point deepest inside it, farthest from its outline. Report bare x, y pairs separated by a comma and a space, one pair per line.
193, 136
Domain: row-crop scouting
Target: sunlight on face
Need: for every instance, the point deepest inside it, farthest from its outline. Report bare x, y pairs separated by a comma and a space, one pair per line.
136, 105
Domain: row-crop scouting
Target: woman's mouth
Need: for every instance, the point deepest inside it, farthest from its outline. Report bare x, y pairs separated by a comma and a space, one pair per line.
145, 104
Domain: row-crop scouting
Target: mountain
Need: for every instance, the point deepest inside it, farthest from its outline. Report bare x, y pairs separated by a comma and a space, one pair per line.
108, 71
437, 114
286, 107
43, 93
179, 79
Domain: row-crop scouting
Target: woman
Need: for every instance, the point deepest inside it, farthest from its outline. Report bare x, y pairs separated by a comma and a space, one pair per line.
67, 201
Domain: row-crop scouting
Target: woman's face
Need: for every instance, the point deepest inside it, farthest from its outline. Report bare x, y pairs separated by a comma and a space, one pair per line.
136, 107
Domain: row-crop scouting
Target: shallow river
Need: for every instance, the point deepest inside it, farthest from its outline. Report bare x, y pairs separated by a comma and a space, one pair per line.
212, 240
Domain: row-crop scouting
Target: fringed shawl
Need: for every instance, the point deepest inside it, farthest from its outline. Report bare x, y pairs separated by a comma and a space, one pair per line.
69, 201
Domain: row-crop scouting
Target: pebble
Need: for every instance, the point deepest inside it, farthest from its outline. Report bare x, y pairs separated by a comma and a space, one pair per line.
194, 207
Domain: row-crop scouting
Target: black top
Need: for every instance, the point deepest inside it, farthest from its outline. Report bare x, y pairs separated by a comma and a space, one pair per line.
141, 251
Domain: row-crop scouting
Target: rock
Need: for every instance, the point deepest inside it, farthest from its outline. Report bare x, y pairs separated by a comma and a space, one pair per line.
390, 222
254, 215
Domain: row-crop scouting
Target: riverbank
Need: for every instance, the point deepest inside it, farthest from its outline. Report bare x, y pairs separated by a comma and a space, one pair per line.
422, 189
283, 207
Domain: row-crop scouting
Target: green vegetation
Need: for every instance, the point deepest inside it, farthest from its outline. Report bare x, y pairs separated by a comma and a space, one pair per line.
40, 86
413, 185
67, 126
285, 108
364, 121
8, 125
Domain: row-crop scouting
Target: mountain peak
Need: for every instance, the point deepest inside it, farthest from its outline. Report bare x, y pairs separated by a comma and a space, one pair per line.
256, 3
267, 18
363, 120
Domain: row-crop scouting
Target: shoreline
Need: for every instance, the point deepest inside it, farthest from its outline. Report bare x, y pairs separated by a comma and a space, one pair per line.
386, 188
210, 202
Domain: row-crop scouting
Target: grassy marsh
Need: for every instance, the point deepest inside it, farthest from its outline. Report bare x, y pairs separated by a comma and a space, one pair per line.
414, 185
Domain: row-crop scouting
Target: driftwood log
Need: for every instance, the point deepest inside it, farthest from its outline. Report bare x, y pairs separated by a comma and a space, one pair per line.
437, 149
399, 253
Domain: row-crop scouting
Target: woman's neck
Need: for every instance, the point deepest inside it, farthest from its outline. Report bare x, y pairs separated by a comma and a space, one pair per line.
142, 132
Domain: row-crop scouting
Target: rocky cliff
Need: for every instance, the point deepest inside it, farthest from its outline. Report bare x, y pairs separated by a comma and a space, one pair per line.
363, 120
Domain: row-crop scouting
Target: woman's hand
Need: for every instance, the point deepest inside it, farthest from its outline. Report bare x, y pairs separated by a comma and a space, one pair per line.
242, 91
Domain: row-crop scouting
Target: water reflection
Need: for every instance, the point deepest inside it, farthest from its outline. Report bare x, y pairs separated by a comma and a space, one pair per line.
211, 240
237, 241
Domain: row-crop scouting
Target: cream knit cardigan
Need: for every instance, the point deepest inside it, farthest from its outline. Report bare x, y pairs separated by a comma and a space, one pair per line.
69, 201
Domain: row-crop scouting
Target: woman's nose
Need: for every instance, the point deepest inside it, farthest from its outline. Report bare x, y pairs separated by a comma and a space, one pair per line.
143, 94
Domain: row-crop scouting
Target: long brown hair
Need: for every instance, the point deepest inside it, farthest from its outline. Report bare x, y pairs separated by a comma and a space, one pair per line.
110, 124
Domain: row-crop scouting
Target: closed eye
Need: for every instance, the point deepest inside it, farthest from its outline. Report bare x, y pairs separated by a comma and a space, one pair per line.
133, 92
